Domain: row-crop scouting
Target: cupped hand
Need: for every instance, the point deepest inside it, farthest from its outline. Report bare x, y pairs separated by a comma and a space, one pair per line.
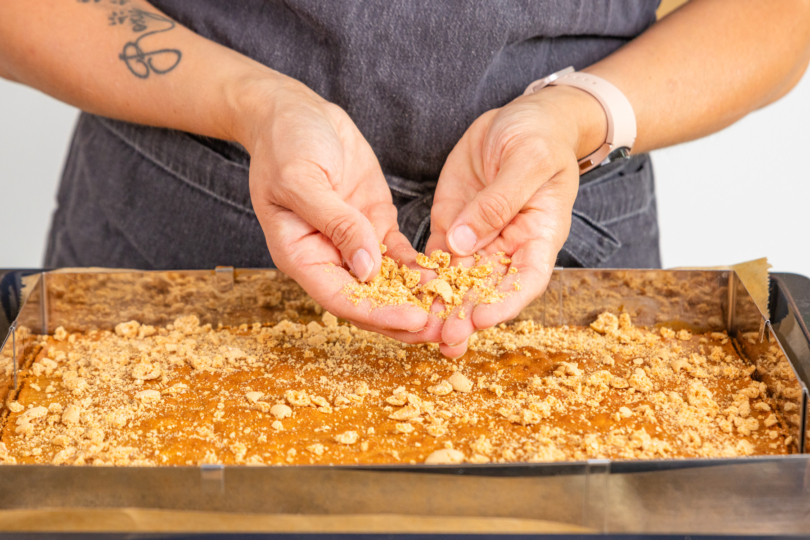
323, 202
509, 187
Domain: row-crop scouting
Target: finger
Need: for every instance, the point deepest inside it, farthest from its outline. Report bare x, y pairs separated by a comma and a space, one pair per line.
534, 262
459, 325
430, 334
457, 331
407, 317
346, 227
452, 194
453, 352
446, 206
399, 248
436, 241
494, 207
382, 213
304, 253
533, 238
309, 191
461, 178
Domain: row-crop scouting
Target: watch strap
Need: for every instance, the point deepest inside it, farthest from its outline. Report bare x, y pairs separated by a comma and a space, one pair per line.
621, 120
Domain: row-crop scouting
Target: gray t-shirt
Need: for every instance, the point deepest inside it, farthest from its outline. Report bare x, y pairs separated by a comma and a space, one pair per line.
412, 74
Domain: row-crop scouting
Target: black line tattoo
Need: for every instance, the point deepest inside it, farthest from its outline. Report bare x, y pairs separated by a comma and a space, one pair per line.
141, 63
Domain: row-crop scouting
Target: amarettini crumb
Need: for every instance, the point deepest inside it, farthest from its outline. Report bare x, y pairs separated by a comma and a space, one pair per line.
329, 393
398, 284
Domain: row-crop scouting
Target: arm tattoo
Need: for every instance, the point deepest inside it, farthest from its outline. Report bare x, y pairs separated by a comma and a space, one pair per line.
140, 62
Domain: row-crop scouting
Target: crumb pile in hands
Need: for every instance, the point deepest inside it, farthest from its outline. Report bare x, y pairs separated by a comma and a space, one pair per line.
329, 393
397, 285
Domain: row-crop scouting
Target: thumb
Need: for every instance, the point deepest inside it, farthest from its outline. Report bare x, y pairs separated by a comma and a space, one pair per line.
346, 227
494, 207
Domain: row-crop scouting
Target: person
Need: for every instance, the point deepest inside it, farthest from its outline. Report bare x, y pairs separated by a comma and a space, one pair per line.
325, 128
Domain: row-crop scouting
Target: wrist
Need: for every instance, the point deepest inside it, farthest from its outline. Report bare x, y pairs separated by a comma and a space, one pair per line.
249, 99
589, 118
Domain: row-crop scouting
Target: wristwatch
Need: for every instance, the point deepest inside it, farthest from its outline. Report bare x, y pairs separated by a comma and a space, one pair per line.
621, 120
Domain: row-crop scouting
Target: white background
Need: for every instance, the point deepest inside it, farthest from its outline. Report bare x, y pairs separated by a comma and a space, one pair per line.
737, 195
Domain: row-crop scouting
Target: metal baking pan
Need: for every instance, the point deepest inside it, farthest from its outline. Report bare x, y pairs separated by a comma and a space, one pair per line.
765, 495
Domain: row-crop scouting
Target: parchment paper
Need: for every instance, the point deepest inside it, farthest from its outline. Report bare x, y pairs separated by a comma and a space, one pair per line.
144, 520
754, 275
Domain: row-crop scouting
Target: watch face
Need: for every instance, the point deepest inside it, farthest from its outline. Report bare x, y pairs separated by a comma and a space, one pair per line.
619, 153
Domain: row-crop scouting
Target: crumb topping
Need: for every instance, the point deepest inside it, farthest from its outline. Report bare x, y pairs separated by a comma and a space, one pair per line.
397, 285
327, 392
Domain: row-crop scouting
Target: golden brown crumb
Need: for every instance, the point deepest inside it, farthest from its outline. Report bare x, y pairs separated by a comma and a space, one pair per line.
397, 285
264, 395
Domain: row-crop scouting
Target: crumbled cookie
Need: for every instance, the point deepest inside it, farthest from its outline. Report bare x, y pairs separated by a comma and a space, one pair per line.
266, 395
397, 285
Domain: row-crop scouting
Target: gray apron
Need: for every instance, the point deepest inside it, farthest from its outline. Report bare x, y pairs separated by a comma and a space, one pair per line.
413, 75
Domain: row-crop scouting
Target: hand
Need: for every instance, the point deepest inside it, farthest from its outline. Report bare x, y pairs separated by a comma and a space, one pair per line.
322, 200
509, 186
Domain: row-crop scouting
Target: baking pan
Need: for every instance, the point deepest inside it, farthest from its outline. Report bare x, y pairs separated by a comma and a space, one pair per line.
765, 495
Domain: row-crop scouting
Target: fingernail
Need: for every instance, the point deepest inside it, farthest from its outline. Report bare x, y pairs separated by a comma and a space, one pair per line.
417, 331
362, 264
456, 344
456, 357
462, 240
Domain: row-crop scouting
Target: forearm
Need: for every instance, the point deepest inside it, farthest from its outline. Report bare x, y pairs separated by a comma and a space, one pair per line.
129, 62
706, 66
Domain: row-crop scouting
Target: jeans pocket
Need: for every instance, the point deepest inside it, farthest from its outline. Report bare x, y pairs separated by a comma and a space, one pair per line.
621, 191
608, 196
